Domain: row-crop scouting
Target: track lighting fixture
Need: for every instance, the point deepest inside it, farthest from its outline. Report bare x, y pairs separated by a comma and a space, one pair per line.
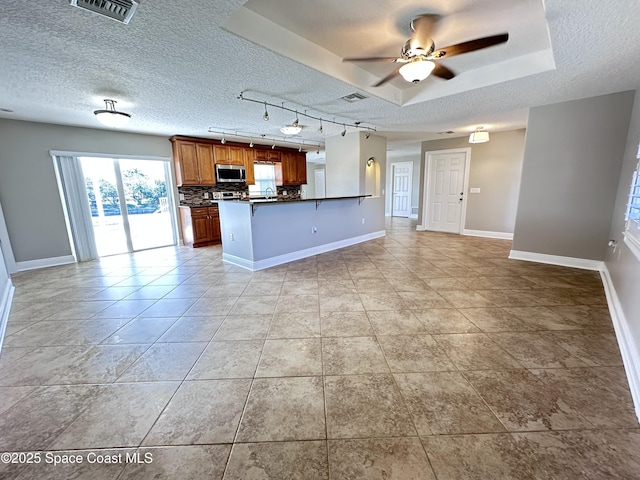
300, 148
318, 151
344, 132
262, 138
296, 122
273, 147
224, 140
367, 135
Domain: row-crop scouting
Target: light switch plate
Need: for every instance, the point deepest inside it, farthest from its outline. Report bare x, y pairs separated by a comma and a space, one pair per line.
474, 190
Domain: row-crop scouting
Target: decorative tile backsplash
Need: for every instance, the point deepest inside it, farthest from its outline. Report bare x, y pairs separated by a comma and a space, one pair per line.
194, 195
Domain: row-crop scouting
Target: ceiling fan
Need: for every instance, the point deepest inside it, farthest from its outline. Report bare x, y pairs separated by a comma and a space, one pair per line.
419, 53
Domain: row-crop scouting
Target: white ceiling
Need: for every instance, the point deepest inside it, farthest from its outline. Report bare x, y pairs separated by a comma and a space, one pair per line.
177, 68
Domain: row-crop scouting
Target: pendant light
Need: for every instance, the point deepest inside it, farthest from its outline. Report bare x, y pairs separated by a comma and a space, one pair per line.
110, 116
479, 136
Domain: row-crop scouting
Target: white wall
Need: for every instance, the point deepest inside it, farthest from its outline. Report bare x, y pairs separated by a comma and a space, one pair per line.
28, 189
346, 164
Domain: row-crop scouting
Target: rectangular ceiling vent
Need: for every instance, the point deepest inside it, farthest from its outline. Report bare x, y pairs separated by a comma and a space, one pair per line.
120, 10
354, 97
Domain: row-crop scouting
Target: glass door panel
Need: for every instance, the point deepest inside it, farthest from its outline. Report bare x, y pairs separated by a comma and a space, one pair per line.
131, 204
104, 201
148, 206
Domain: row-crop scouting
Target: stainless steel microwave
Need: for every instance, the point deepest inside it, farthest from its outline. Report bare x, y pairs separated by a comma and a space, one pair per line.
230, 174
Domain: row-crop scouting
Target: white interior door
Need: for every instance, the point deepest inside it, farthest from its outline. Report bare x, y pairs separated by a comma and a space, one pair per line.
319, 183
446, 186
402, 175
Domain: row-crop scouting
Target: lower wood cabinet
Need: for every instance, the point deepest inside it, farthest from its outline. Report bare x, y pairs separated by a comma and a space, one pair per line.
200, 226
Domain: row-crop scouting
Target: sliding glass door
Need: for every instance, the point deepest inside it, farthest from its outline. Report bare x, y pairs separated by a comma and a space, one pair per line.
130, 202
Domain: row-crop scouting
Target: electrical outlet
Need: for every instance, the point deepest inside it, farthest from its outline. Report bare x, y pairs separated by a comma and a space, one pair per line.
314, 230
285, 193
182, 196
206, 194
474, 190
231, 237
363, 220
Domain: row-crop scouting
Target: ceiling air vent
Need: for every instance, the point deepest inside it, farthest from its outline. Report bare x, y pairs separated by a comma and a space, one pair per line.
354, 97
120, 10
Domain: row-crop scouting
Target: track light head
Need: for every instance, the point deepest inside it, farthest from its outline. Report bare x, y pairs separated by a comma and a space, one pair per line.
296, 121
265, 117
300, 148
251, 143
273, 147
344, 132
367, 135
224, 140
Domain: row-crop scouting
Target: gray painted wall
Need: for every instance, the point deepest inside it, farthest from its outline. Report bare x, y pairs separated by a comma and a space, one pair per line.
415, 186
28, 188
572, 159
622, 264
495, 168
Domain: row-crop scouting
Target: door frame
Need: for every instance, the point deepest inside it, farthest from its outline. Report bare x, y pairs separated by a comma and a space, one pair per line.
393, 173
5, 246
427, 190
172, 190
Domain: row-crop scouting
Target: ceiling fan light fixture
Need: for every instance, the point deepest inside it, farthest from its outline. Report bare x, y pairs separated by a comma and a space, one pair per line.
479, 136
291, 129
110, 116
416, 70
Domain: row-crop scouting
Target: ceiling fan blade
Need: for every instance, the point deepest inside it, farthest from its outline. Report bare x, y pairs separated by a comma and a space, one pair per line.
443, 72
470, 46
372, 59
388, 77
422, 28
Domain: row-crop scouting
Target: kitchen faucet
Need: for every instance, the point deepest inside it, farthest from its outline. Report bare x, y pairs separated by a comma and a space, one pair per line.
266, 192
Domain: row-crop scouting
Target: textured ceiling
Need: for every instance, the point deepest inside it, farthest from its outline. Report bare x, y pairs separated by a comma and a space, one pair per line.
178, 70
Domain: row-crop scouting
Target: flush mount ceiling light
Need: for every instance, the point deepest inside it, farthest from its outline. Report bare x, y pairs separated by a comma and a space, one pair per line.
417, 70
479, 136
291, 129
110, 116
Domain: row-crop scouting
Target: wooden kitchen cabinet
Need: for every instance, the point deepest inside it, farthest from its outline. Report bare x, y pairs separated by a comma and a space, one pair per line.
249, 158
200, 226
228, 155
193, 162
293, 169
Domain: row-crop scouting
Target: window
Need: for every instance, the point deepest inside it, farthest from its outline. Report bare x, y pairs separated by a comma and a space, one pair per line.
265, 175
632, 230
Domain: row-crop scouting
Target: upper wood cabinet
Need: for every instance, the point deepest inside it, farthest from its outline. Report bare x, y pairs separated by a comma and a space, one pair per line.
293, 169
249, 155
193, 162
228, 155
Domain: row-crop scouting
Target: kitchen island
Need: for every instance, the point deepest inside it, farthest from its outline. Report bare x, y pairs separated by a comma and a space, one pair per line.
258, 234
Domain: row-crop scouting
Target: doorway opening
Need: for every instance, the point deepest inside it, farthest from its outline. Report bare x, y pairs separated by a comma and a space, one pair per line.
130, 202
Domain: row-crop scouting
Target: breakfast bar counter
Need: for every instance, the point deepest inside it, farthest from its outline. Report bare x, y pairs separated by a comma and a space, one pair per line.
262, 233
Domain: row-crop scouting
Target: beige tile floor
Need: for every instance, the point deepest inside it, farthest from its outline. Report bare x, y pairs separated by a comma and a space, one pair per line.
415, 356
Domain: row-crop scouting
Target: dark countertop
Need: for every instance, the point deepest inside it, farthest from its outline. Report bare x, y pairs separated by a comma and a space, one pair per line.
294, 200
261, 200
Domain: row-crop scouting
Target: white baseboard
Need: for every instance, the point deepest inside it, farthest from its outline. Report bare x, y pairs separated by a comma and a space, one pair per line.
300, 254
413, 216
45, 262
628, 350
420, 228
571, 262
6, 297
488, 234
